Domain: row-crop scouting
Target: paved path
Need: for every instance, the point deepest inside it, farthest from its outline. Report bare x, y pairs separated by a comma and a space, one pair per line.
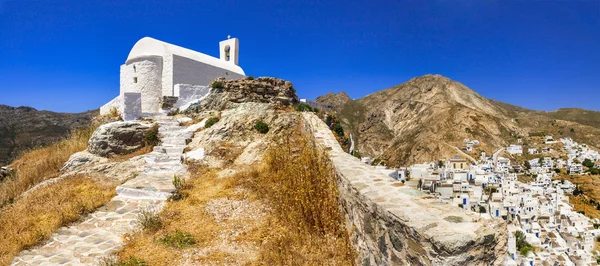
99, 235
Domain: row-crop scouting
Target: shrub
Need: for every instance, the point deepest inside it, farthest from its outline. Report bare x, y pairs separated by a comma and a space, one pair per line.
250, 78
302, 107
588, 163
217, 85
113, 113
556, 170
482, 209
179, 184
339, 130
132, 261
262, 127
178, 240
460, 205
149, 220
211, 121
316, 110
151, 136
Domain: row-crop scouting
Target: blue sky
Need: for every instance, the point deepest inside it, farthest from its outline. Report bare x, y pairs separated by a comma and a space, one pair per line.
542, 54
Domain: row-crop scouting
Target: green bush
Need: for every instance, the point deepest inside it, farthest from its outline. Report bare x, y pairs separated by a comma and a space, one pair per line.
250, 78
179, 184
482, 209
211, 121
316, 110
339, 130
302, 107
132, 261
151, 136
588, 163
217, 85
149, 220
262, 127
178, 240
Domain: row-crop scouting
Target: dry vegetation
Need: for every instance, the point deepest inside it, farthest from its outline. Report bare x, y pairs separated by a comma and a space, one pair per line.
590, 186
33, 218
41, 164
299, 224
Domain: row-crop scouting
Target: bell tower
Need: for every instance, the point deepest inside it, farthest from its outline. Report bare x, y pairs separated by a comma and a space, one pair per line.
229, 50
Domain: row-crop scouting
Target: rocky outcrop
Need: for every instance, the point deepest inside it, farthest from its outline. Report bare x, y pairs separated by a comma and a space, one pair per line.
5, 172
392, 224
118, 138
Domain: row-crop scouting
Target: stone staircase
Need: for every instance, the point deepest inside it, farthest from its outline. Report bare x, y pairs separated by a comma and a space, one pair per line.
100, 233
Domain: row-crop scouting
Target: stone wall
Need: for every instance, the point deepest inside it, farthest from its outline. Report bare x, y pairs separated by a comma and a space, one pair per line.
392, 224
261, 90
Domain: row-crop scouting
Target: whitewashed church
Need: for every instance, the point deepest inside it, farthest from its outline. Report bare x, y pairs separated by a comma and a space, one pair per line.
155, 69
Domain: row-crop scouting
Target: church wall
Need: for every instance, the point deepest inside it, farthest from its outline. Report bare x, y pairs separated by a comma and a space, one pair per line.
144, 75
187, 71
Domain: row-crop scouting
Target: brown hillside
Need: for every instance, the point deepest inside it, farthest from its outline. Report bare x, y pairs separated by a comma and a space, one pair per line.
427, 118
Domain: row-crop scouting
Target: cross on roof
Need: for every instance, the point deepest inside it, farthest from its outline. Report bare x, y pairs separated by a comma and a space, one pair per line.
228, 37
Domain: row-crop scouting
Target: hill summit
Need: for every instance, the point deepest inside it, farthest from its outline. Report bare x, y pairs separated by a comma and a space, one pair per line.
428, 118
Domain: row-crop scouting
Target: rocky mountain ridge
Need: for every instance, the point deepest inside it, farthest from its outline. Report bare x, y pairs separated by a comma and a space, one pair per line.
427, 118
23, 128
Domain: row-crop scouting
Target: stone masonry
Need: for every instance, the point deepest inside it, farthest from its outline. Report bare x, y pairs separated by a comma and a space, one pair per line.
100, 233
392, 224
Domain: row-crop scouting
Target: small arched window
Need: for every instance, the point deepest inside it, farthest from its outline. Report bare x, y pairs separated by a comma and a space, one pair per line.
227, 52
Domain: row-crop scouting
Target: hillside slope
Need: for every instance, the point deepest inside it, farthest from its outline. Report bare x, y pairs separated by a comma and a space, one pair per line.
23, 128
427, 118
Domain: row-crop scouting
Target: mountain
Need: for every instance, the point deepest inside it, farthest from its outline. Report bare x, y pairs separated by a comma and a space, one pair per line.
428, 118
23, 128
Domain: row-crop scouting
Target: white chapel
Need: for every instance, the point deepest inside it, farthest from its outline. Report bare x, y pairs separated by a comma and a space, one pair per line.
155, 69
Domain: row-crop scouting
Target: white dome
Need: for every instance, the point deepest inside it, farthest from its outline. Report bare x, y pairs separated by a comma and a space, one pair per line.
152, 47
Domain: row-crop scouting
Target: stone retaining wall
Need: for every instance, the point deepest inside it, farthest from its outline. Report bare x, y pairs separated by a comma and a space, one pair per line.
392, 224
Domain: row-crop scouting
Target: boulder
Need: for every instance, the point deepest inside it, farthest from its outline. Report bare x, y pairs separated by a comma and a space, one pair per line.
80, 159
118, 138
5, 172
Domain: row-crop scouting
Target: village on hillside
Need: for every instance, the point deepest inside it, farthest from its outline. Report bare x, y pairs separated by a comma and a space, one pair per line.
544, 226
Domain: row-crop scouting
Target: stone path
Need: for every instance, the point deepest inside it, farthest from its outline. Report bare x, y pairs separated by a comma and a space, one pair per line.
99, 235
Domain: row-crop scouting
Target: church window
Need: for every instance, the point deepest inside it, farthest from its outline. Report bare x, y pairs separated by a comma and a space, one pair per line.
227, 52
134, 79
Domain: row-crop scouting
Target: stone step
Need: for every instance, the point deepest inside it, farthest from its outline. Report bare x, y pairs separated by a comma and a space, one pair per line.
135, 193
165, 167
169, 150
155, 157
168, 123
176, 134
175, 141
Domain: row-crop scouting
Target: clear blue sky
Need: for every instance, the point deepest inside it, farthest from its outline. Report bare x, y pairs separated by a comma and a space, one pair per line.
543, 54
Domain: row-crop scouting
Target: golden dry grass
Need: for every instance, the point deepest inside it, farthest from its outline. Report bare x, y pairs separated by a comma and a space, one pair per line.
34, 217
187, 215
40, 164
307, 228
304, 225
590, 185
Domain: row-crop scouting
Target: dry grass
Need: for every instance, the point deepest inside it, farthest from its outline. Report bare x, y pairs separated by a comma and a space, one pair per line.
35, 217
307, 228
41, 164
186, 215
590, 185
303, 224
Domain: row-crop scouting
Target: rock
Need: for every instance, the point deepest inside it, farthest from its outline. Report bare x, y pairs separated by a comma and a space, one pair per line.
5, 172
195, 155
118, 138
80, 159
260, 90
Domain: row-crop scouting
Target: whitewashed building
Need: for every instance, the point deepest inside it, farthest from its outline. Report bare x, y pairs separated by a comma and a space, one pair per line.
155, 69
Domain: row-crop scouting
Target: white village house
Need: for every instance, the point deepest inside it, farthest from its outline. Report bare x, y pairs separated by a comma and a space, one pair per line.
155, 69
